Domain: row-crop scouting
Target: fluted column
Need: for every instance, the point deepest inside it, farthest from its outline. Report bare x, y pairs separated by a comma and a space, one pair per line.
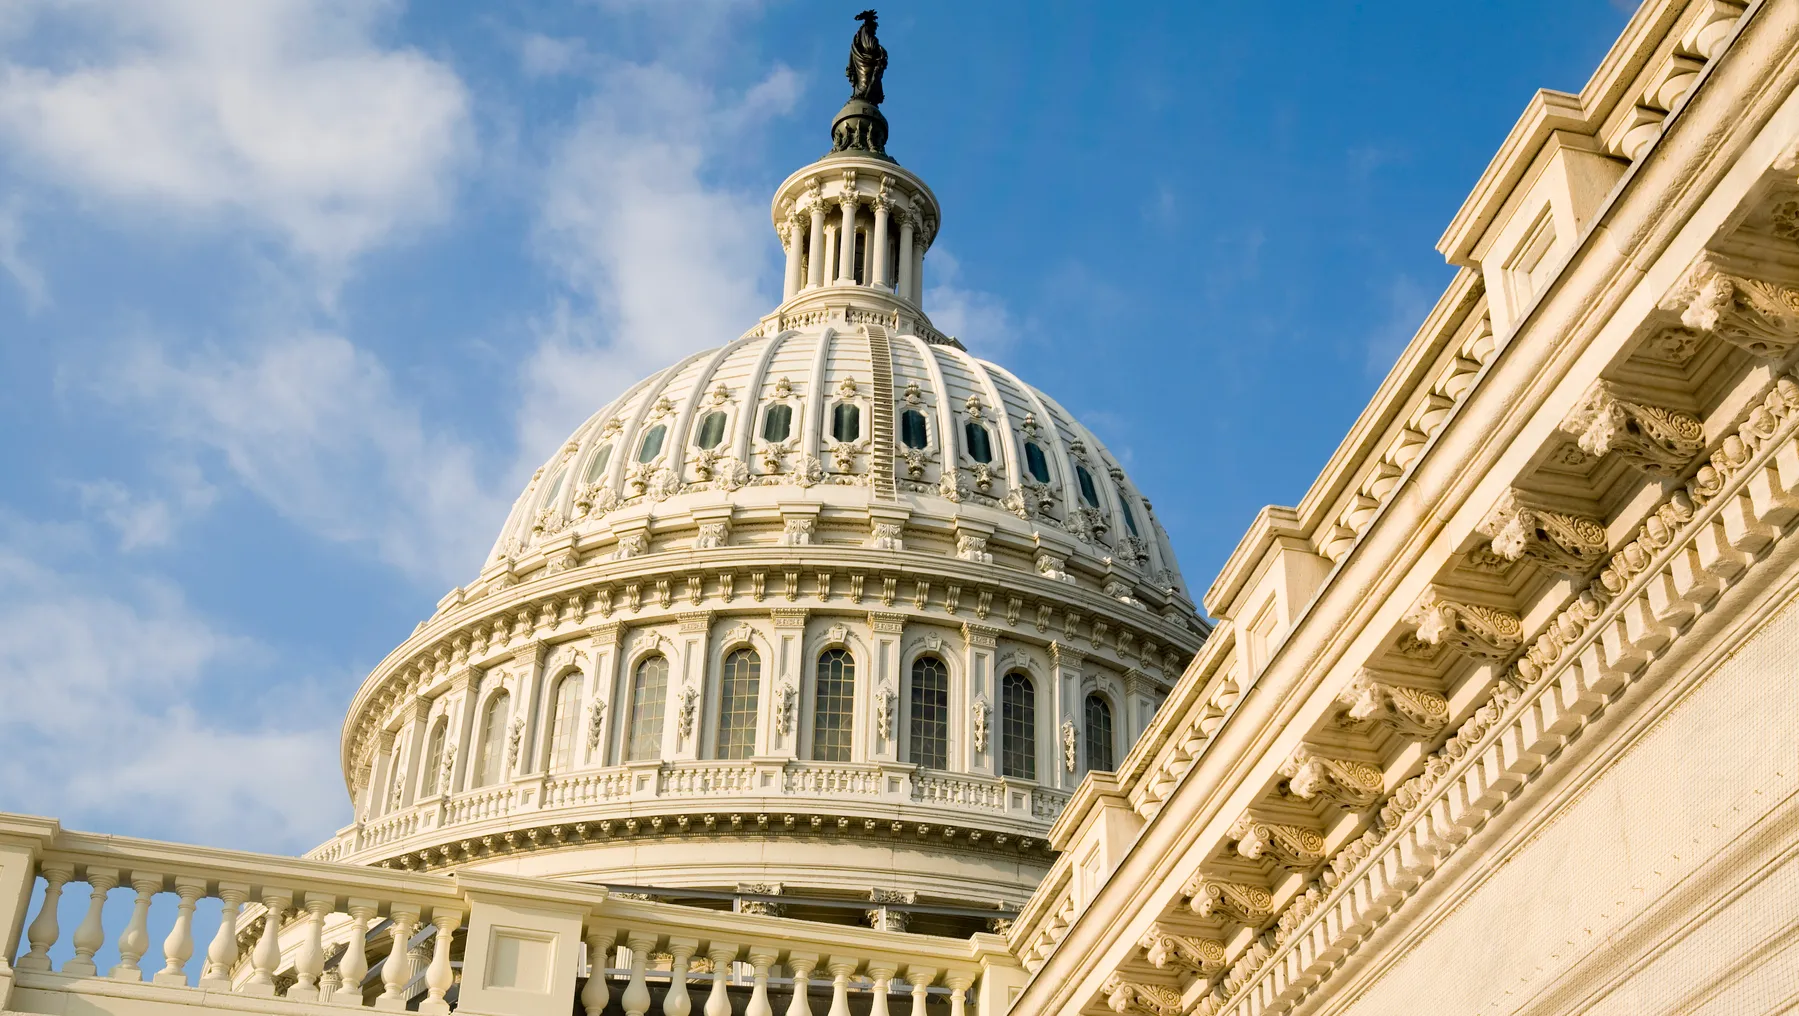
917, 295
790, 238
846, 240
905, 255
877, 258
815, 248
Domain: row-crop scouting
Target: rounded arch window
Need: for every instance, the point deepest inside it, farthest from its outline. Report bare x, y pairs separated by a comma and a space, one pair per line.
1089, 493
491, 766
649, 697
738, 689
652, 443
550, 491
596, 466
928, 714
1018, 727
834, 698
846, 422
1035, 463
912, 429
434, 758
1130, 519
777, 423
980, 448
712, 430
1097, 717
564, 723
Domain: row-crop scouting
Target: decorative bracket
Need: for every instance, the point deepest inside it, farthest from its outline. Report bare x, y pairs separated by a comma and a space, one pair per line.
1168, 950
1348, 784
1243, 904
1755, 314
1410, 712
1563, 543
1654, 439
1478, 632
1292, 847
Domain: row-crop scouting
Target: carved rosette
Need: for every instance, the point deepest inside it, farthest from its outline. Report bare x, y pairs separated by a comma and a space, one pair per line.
1242, 904
1124, 996
1169, 950
1755, 314
1476, 631
1654, 439
1348, 784
1292, 847
1563, 543
1410, 712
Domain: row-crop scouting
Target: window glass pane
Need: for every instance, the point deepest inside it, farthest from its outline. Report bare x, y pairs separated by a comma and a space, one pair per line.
712, 430
596, 466
930, 713
777, 422
834, 695
550, 491
652, 444
1099, 733
564, 732
846, 422
1088, 493
1018, 727
1130, 521
912, 432
649, 696
979, 449
434, 760
737, 693
493, 742
1035, 462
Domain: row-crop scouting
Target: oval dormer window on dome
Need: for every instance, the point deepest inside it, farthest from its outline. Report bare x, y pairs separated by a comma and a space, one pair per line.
596, 466
980, 448
912, 429
1130, 520
712, 430
1035, 463
777, 423
652, 443
550, 491
1089, 493
846, 422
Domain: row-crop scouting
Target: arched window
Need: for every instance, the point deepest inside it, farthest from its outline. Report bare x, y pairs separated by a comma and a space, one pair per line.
550, 491
1035, 462
596, 466
492, 761
712, 430
1130, 520
738, 689
565, 724
930, 713
912, 429
1018, 727
777, 423
434, 758
649, 696
834, 697
980, 448
1098, 733
652, 443
1088, 493
846, 422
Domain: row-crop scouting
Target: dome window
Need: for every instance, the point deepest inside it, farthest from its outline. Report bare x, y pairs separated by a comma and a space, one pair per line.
777, 423
1018, 727
434, 758
1089, 493
834, 695
596, 466
563, 724
737, 695
846, 422
1098, 733
649, 696
491, 765
1130, 520
550, 492
912, 431
712, 430
980, 448
1035, 462
929, 715
652, 443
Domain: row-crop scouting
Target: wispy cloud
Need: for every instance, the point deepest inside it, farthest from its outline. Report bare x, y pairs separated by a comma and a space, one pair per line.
145, 518
13, 261
979, 319
1407, 302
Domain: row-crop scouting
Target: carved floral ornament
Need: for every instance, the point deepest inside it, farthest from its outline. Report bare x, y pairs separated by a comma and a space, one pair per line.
1563, 543
1654, 439
1124, 996
1476, 631
1168, 949
1738, 305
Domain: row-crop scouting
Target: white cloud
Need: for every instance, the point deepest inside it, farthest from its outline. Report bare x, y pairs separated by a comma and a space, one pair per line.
283, 113
13, 261
542, 56
979, 319
143, 519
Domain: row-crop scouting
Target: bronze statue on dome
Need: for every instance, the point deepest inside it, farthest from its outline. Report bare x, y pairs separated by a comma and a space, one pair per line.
868, 61
859, 126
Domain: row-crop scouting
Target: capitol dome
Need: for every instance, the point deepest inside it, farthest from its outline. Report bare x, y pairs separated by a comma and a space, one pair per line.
831, 615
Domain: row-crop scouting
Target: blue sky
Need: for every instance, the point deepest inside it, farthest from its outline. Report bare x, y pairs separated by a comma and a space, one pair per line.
294, 294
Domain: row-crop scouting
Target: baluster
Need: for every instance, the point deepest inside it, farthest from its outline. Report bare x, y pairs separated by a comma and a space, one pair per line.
636, 998
882, 975
718, 1003
265, 956
398, 968
595, 994
841, 969
134, 941
760, 961
958, 993
920, 978
178, 947
355, 963
44, 930
221, 954
438, 976
91, 935
802, 965
676, 1001
309, 963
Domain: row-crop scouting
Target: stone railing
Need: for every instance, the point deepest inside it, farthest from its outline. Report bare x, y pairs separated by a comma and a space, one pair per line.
339, 927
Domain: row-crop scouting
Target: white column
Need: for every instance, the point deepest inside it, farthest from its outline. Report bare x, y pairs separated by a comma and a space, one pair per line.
877, 258
905, 256
830, 253
846, 240
815, 249
790, 238
918, 274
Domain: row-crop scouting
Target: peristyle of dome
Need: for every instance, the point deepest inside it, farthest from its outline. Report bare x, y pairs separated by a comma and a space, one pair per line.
832, 612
